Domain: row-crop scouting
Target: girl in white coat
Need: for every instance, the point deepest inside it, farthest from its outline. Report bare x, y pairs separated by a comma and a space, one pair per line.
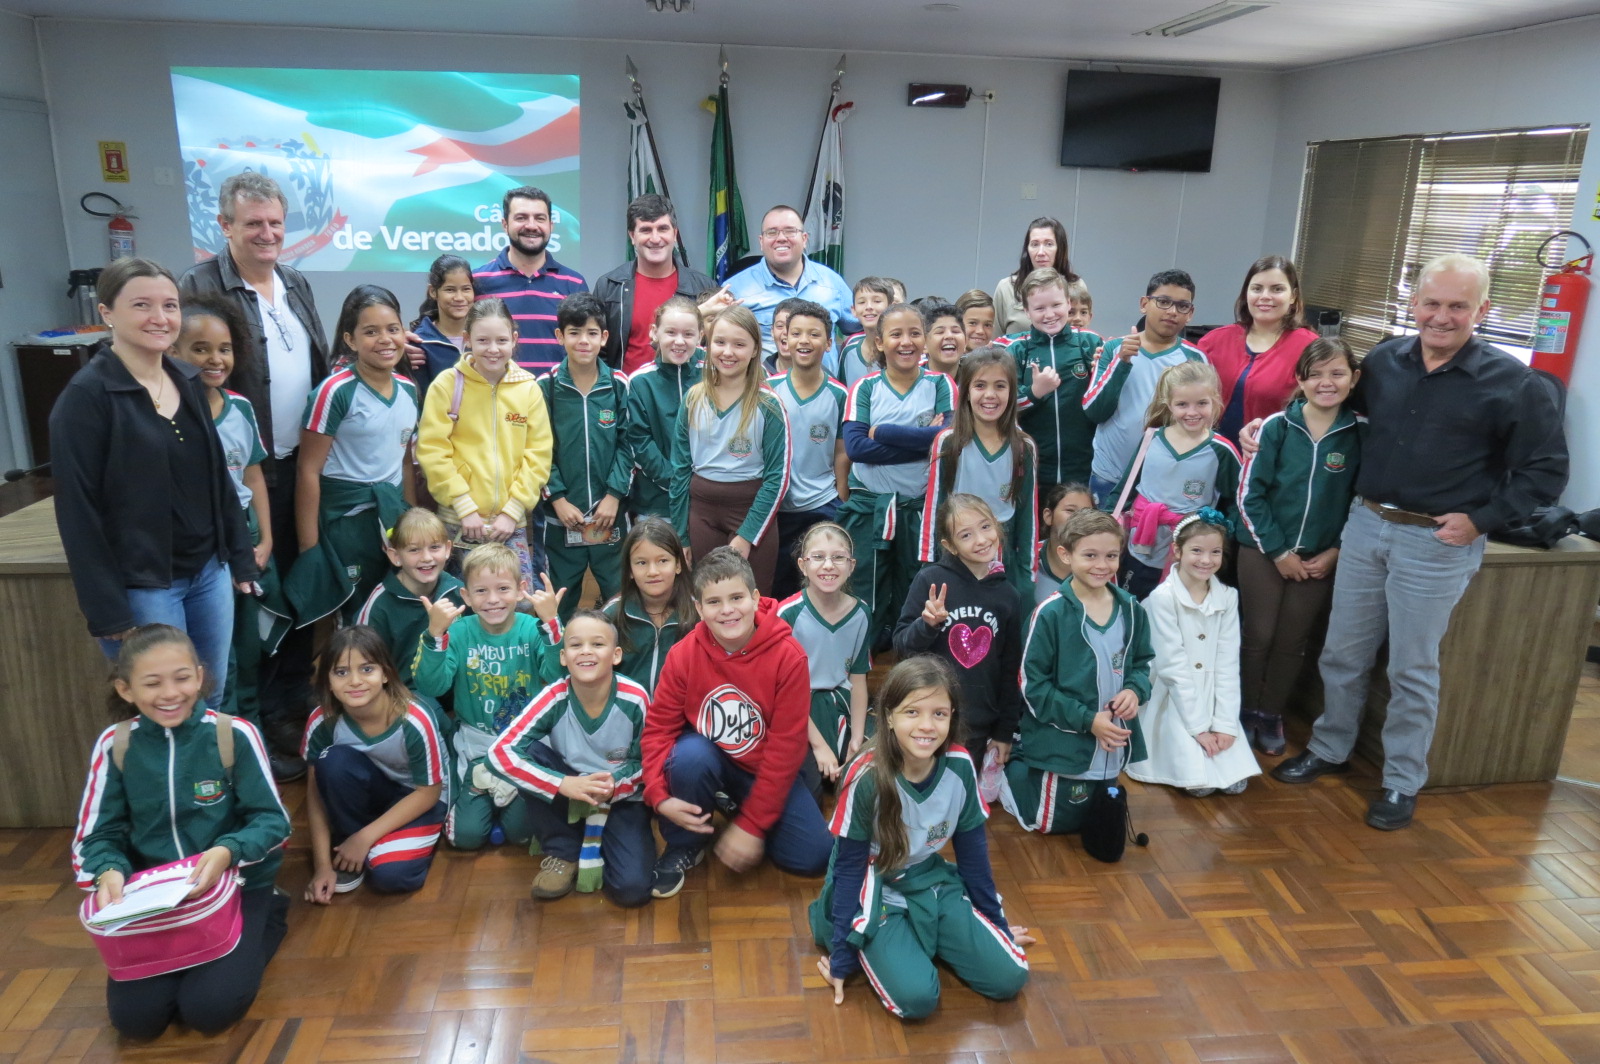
1191, 725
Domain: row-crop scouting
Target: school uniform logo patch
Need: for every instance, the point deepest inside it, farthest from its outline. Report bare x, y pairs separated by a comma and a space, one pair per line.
732, 720
617, 756
207, 792
1080, 370
1117, 659
608, 418
741, 446
1006, 492
925, 419
515, 418
1194, 489
1334, 463
938, 833
821, 434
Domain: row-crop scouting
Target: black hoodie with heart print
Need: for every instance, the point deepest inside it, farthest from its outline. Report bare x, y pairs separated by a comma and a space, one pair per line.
981, 639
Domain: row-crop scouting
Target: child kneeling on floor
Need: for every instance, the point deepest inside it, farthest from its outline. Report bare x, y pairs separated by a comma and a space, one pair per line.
1192, 722
1085, 672
576, 749
891, 903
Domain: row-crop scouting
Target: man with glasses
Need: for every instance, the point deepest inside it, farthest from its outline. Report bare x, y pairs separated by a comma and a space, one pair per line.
288, 355
784, 272
1125, 373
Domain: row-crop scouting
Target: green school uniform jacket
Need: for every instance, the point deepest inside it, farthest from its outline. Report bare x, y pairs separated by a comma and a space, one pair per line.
400, 617
644, 646
1061, 685
591, 457
1063, 432
607, 743
655, 395
1295, 492
172, 799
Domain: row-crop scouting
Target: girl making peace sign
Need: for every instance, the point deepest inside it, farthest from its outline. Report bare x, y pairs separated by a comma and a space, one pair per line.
962, 609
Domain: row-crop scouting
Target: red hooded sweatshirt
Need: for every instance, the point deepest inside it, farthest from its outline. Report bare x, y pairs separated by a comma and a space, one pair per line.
754, 704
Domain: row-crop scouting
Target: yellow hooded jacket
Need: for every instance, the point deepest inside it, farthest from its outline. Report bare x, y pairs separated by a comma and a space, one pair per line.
494, 457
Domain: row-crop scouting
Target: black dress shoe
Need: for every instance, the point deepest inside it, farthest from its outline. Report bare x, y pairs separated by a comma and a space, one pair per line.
1305, 767
286, 768
1391, 810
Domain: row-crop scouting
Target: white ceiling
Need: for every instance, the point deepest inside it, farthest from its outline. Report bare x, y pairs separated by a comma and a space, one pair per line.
1294, 33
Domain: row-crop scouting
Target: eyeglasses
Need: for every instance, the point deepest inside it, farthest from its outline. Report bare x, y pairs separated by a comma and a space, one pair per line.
839, 560
1182, 306
790, 233
283, 331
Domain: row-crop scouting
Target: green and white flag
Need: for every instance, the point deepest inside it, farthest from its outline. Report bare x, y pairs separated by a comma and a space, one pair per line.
824, 210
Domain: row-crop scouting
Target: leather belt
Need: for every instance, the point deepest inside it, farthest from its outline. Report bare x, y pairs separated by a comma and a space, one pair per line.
1395, 515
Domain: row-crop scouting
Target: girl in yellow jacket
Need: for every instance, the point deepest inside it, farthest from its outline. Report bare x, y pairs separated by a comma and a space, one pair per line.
484, 442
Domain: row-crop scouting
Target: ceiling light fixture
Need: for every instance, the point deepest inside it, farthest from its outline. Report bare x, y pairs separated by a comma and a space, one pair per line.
675, 5
1204, 18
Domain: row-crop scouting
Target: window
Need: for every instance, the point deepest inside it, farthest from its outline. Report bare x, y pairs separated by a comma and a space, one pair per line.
1373, 211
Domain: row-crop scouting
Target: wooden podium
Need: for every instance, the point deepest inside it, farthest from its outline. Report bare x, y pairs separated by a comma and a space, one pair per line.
53, 678
1508, 668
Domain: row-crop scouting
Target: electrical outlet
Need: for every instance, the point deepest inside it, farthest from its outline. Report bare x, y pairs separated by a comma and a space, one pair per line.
1030, 191
164, 175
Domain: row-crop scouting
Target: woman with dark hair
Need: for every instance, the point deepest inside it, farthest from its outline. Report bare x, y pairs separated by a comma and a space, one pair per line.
1044, 246
148, 515
1256, 355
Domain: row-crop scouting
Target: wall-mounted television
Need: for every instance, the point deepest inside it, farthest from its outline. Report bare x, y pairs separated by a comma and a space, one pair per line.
1118, 121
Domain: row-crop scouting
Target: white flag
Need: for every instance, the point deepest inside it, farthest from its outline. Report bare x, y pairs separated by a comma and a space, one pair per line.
824, 218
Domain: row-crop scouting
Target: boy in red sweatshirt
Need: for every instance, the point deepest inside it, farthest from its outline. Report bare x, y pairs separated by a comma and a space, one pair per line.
729, 719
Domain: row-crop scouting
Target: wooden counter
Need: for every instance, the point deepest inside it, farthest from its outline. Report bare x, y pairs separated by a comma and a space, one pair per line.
1508, 668
52, 676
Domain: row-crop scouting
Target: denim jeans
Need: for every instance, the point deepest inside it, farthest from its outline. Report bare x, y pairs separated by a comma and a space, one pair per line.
201, 605
1399, 582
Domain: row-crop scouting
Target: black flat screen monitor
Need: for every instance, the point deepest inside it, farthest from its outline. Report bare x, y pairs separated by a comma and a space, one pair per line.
1117, 121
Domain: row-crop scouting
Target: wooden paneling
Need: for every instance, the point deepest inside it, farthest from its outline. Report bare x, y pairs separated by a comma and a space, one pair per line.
52, 676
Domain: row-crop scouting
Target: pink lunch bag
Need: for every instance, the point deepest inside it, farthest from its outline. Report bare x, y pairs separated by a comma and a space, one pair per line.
196, 931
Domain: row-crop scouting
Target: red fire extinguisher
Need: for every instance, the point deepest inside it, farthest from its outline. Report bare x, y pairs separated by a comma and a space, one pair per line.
1561, 307
119, 230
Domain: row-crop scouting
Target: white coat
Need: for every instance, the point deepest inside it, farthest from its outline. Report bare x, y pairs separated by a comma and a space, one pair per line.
1194, 689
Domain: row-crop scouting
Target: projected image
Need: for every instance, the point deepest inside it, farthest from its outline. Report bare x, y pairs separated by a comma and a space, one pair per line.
383, 170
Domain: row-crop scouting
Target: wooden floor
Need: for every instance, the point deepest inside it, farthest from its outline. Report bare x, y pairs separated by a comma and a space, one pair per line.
1269, 927
1273, 926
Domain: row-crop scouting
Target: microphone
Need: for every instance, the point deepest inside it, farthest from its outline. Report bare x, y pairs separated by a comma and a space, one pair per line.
18, 474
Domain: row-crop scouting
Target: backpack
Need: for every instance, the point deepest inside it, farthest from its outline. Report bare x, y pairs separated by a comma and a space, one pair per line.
119, 742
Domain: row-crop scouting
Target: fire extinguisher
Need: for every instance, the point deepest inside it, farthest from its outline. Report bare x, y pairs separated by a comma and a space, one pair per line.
1561, 307
119, 230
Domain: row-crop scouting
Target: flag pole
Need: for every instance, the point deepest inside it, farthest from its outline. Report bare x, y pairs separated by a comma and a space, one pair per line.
650, 137
827, 116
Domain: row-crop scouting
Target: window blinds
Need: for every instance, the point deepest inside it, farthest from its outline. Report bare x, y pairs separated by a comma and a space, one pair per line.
1373, 211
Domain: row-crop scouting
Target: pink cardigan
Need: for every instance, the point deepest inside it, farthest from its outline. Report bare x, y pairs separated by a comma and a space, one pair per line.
1271, 381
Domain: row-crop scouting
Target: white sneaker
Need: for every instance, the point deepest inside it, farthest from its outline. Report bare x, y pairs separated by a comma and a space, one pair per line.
345, 882
1236, 788
1200, 792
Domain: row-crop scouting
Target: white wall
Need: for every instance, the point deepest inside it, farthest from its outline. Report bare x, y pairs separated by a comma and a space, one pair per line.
1527, 78
33, 253
912, 174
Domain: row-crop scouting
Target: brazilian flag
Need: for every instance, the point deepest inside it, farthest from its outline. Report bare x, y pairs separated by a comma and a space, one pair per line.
728, 241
